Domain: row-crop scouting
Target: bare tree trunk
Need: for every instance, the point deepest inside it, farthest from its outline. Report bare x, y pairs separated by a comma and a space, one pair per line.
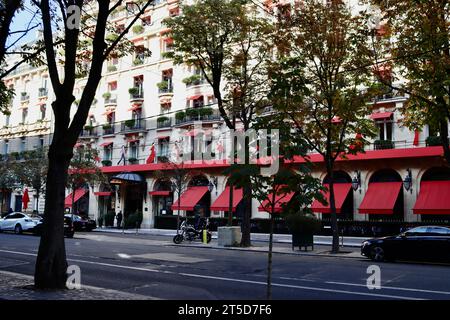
51, 264
247, 193
334, 222
444, 138
269, 261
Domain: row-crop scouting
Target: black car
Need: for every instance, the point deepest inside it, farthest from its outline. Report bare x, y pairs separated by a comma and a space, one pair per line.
425, 243
81, 223
69, 230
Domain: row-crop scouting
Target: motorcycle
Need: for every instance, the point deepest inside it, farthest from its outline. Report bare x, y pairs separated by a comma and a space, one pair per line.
189, 233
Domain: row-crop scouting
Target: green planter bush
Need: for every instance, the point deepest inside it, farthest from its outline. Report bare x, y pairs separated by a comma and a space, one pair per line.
133, 90
433, 141
163, 85
192, 113
88, 127
112, 68
130, 123
133, 220
109, 219
107, 95
192, 80
138, 29
205, 112
107, 163
107, 126
133, 160
138, 61
180, 115
162, 119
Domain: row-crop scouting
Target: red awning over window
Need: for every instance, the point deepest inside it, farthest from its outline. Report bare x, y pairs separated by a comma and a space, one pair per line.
280, 200
159, 193
78, 194
434, 198
195, 97
108, 113
163, 137
381, 115
190, 198
380, 198
341, 191
103, 194
135, 107
106, 144
222, 203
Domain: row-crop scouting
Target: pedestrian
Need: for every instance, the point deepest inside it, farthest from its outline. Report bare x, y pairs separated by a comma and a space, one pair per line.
119, 219
10, 210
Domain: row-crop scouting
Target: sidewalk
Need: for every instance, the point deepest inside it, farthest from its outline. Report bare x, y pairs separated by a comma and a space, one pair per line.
16, 286
263, 237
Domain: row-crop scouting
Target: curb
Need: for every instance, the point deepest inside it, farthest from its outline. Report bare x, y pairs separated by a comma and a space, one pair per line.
294, 253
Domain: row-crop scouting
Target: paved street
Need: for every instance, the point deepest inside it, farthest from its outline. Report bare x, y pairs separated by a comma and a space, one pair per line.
153, 267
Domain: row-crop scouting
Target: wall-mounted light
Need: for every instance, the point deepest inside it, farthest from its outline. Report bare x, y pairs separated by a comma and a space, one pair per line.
356, 181
407, 182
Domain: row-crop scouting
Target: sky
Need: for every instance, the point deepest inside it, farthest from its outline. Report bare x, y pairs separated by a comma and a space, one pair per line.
21, 21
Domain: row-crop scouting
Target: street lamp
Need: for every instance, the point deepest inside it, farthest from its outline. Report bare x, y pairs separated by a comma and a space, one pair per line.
356, 181
407, 182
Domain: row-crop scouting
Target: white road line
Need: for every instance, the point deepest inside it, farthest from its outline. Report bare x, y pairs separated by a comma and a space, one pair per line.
229, 279
390, 288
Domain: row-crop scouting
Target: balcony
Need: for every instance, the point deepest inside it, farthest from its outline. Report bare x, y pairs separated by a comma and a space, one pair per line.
196, 114
136, 93
88, 132
110, 99
43, 92
194, 80
165, 90
162, 158
24, 97
383, 144
133, 125
108, 129
163, 122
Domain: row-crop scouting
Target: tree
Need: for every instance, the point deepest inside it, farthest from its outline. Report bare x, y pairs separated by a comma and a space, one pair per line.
323, 52
8, 179
51, 264
232, 57
420, 54
32, 172
271, 191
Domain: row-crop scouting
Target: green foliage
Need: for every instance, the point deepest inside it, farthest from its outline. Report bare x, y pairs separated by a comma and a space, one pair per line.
180, 115
107, 163
109, 219
162, 119
133, 220
133, 90
106, 126
112, 68
192, 112
133, 160
192, 80
6, 96
163, 85
205, 111
130, 123
84, 170
107, 95
138, 29
433, 141
302, 223
383, 144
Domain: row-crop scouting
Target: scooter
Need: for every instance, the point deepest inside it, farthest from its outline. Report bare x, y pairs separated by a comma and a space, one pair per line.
189, 233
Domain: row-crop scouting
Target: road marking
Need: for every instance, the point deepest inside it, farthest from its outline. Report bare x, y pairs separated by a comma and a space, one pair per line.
390, 288
232, 279
124, 256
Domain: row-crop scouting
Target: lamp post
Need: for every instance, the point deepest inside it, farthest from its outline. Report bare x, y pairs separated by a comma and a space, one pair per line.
174, 187
407, 182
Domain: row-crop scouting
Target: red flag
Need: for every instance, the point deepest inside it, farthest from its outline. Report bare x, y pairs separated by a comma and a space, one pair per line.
151, 157
25, 199
416, 137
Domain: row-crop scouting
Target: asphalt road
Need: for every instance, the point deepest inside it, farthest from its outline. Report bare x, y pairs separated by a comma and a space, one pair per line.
154, 267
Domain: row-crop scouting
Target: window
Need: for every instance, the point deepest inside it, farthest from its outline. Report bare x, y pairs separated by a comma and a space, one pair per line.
147, 21
6, 147
165, 107
174, 12
417, 231
163, 147
120, 28
139, 55
110, 118
198, 103
7, 118
139, 83
134, 149
41, 142
112, 86
107, 152
22, 144
24, 115
384, 129
43, 109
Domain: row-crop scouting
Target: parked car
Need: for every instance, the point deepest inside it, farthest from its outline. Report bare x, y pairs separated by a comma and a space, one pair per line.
19, 222
69, 229
425, 243
81, 223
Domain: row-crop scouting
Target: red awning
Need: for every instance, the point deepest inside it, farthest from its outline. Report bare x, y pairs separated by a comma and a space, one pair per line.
341, 191
133, 140
190, 198
103, 194
380, 198
168, 40
78, 194
195, 97
108, 113
135, 107
106, 144
381, 115
194, 133
163, 137
222, 203
159, 193
434, 198
280, 200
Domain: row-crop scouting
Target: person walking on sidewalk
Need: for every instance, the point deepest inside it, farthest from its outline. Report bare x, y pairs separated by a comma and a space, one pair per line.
119, 219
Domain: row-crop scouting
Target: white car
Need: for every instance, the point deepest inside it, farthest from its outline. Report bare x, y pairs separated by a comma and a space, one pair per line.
18, 222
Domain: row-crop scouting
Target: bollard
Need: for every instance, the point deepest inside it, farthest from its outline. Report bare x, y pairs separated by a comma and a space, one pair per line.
205, 239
